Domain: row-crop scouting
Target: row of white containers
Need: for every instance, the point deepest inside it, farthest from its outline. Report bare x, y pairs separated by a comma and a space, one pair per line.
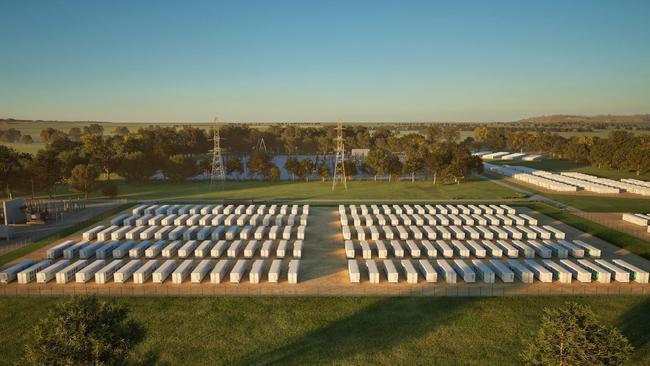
219, 209
208, 219
452, 232
158, 271
623, 186
426, 209
465, 249
487, 271
114, 232
638, 219
438, 219
546, 183
101, 250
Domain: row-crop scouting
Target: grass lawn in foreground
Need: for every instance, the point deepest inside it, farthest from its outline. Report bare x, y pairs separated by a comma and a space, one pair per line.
423, 190
349, 331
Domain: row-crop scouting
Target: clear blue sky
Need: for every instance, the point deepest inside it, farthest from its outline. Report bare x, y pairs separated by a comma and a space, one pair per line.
322, 60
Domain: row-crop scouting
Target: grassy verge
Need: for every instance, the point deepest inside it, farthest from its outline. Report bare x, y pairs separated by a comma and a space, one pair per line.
300, 190
345, 331
629, 242
6, 258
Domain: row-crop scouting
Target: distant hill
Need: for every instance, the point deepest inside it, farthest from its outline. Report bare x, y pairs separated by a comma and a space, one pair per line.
607, 118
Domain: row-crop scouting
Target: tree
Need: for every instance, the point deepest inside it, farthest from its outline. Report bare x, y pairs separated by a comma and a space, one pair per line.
83, 331
324, 171
121, 130
181, 167
307, 167
46, 171
93, 129
84, 178
49, 134
10, 135
103, 152
450, 133
292, 166
74, 134
110, 189
135, 167
27, 139
259, 163
416, 156
274, 172
10, 166
234, 165
572, 335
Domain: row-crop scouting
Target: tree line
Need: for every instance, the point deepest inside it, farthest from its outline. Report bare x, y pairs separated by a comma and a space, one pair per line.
620, 150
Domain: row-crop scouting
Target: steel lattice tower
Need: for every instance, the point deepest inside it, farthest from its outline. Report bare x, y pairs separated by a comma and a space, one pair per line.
339, 165
218, 171
261, 145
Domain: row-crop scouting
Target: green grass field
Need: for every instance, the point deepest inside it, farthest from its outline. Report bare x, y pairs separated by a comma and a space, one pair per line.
345, 331
300, 190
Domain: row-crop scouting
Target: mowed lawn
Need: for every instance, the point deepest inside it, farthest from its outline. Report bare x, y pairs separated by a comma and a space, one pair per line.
349, 331
421, 190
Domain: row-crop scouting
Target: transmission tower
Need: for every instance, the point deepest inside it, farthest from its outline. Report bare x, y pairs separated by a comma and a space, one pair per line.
218, 171
339, 165
261, 146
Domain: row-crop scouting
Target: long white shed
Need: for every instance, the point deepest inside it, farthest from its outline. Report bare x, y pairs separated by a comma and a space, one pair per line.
88, 272
171, 249
598, 273
444, 248
126, 271
521, 272
235, 248
219, 271
539, 271
162, 273
49, 272
576, 270
560, 273
201, 270
57, 250
123, 249
637, 274
11, 273
67, 273
427, 270
143, 274
182, 271
154, 249
28, 274
293, 271
275, 271
446, 271
502, 271
239, 270
106, 273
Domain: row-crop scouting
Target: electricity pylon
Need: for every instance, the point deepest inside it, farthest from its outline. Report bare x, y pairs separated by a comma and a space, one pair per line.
339, 166
261, 145
218, 171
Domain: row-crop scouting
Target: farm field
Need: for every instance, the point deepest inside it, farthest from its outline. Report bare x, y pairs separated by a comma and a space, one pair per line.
357, 190
362, 330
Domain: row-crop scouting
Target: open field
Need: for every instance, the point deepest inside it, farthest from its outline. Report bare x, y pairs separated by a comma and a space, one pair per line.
342, 330
300, 190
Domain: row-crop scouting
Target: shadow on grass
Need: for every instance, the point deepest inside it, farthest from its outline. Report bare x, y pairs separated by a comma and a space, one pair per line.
635, 324
377, 328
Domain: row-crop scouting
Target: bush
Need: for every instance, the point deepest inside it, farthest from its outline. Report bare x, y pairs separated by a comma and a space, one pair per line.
83, 331
110, 189
571, 335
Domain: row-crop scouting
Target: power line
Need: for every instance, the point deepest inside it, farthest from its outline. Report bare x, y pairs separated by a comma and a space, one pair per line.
339, 166
218, 172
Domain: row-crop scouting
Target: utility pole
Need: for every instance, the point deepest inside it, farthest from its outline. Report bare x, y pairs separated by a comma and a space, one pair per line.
339, 165
218, 171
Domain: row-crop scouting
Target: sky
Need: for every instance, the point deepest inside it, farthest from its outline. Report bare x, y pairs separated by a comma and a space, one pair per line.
322, 60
